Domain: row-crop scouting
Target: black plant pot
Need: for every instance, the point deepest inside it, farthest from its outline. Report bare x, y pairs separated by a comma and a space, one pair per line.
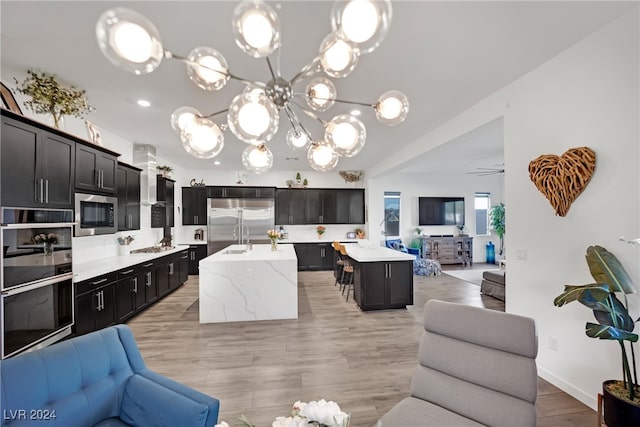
618, 412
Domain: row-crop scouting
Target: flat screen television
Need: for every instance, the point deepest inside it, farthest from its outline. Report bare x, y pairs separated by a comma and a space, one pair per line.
440, 210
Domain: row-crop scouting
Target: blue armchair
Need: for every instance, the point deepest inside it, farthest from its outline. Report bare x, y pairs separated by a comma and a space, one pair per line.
396, 244
98, 379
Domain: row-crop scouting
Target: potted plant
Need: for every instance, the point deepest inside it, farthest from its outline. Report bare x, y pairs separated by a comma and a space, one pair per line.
298, 178
165, 170
305, 183
496, 223
48, 96
621, 398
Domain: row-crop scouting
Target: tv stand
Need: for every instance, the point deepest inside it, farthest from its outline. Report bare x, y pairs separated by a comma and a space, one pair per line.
448, 250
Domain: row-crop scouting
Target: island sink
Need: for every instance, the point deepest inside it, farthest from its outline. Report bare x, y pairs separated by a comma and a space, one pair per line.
235, 251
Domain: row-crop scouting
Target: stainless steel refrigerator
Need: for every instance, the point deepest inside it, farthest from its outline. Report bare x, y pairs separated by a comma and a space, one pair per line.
236, 221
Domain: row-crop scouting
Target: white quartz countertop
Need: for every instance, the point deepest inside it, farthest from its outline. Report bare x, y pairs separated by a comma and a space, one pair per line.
257, 253
315, 240
96, 268
376, 253
192, 242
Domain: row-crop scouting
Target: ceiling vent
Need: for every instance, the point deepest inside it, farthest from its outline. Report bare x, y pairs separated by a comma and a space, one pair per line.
144, 157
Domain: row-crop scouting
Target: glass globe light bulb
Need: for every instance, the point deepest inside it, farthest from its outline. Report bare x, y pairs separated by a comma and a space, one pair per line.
338, 57
202, 138
321, 94
182, 117
364, 23
203, 66
346, 135
253, 117
129, 40
392, 108
322, 157
296, 139
256, 28
257, 158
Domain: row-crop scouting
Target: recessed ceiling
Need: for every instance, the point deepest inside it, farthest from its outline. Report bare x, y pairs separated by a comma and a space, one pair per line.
445, 56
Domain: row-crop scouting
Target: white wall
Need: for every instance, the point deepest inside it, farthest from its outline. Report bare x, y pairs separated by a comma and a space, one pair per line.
411, 186
586, 96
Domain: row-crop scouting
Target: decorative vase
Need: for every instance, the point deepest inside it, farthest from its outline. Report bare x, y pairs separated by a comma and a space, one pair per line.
618, 412
274, 244
48, 249
319, 236
56, 121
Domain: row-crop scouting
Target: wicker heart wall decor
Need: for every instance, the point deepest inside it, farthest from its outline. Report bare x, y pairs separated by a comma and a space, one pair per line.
561, 179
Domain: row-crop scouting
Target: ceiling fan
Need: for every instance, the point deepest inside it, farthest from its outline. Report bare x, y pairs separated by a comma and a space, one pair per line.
496, 170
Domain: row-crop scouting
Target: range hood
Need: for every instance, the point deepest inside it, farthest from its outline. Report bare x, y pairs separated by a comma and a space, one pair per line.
144, 157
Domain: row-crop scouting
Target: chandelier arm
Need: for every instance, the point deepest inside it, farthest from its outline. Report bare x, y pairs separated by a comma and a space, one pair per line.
309, 113
290, 114
168, 54
213, 114
343, 101
273, 75
306, 71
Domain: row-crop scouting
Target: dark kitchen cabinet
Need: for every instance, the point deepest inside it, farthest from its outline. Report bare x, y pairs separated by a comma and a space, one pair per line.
38, 166
314, 256
290, 206
383, 285
196, 253
95, 170
128, 192
163, 274
95, 304
217, 192
182, 267
350, 206
162, 212
194, 206
148, 276
320, 207
128, 294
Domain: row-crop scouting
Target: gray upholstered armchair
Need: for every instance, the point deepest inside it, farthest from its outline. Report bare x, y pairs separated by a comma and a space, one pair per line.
476, 367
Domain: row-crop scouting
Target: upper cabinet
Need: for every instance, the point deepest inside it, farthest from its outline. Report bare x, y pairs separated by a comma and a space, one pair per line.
319, 206
95, 170
215, 192
128, 192
162, 212
194, 206
37, 165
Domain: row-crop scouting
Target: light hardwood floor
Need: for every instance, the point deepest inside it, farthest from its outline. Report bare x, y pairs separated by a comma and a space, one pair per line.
363, 361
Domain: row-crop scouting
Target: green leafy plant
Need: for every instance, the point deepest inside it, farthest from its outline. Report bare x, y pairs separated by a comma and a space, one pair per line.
48, 96
496, 223
614, 321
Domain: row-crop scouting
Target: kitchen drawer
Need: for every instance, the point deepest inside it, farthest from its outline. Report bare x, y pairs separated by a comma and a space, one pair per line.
129, 272
95, 282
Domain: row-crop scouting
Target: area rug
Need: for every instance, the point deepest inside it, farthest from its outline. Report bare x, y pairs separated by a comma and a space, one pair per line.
471, 276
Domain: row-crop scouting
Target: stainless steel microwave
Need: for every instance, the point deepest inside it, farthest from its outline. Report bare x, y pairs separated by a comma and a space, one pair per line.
95, 214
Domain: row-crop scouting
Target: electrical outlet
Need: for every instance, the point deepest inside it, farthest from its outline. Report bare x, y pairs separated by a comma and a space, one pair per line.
553, 343
521, 254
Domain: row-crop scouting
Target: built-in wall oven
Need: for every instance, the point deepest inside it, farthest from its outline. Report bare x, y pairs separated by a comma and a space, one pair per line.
36, 278
95, 214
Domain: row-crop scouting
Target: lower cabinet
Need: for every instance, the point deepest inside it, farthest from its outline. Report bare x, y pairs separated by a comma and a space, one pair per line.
382, 285
314, 256
118, 296
95, 305
196, 253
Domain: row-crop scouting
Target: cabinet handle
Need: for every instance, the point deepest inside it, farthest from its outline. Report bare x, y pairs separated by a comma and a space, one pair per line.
128, 271
148, 265
148, 278
135, 285
41, 190
101, 178
171, 269
98, 301
99, 281
46, 191
389, 270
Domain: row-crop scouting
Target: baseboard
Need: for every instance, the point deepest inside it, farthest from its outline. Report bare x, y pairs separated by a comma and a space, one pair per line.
586, 398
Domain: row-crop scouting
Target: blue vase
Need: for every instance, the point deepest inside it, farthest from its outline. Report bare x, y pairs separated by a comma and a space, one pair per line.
491, 253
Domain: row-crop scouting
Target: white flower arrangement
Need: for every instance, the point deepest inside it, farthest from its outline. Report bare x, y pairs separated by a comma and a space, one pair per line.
317, 414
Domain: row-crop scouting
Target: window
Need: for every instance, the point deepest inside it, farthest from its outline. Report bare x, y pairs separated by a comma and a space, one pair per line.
391, 214
482, 204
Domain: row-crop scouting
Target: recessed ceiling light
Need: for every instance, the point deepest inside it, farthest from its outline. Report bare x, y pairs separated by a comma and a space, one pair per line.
355, 112
143, 103
217, 162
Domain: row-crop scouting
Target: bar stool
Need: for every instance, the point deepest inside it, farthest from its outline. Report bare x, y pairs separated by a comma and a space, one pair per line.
346, 281
339, 266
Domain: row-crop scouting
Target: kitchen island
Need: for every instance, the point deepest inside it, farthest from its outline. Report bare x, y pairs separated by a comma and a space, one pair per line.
382, 277
239, 285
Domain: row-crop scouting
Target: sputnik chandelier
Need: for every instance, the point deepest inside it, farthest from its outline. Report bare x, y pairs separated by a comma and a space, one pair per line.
131, 41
